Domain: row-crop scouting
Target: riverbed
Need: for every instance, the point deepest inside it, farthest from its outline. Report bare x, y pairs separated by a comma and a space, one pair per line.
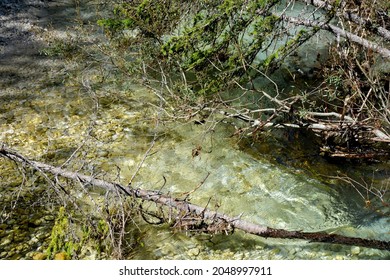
65, 102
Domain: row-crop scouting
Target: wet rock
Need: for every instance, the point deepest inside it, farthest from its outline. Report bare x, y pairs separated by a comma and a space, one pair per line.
33, 241
22, 247
40, 256
193, 252
49, 218
5, 241
41, 235
355, 250
239, 256
37, 222
20, 236
61, 256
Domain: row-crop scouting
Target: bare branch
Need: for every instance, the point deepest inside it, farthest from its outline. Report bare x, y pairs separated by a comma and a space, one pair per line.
338, 31
350, 16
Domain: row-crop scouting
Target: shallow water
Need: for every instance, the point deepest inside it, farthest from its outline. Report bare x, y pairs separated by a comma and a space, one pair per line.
60, 103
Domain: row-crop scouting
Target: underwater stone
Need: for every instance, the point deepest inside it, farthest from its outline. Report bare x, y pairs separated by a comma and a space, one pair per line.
5, 242
39, 256
193, 252
61, 256
355, 250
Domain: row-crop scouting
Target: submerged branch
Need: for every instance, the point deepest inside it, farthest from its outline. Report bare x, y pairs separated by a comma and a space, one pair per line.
195, 211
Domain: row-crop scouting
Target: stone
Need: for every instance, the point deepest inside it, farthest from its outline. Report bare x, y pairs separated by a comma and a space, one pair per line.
355, 250
193, 252
61, 256
5, 242
40, 256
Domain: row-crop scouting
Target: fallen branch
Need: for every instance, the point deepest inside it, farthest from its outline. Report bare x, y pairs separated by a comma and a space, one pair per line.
350, 16
197, 212
340, 32
336, 124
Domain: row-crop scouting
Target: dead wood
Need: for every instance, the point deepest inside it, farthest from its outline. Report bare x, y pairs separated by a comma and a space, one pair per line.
383, 51
351, 16
202, 218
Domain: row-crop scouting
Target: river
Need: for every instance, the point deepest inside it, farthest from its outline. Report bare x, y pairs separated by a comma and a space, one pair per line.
64, 102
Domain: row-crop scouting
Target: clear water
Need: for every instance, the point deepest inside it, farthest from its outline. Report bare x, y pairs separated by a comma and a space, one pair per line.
48, 113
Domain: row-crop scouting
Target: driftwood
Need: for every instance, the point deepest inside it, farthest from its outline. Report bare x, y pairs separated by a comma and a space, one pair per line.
202, 218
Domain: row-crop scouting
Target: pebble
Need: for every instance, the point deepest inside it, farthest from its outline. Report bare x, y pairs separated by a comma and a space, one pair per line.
239, 256
5, 242
38, 222
355, 250
33, 240
19, 237
49, 218
193, 252
41, 235
39, 256
61, 256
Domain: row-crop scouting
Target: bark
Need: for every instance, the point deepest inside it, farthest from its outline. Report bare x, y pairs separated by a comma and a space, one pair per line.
384, 52
350, 16
203, 219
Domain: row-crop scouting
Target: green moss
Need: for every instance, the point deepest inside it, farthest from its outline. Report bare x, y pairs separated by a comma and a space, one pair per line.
59, 242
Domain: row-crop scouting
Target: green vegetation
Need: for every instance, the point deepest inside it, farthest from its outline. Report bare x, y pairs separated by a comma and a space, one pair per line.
69, 241
59, 240
214, 42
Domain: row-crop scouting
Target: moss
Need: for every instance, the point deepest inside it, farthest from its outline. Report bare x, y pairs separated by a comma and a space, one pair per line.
59, 237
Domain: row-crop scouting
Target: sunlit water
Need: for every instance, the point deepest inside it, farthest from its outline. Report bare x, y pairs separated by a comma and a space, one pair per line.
48, 117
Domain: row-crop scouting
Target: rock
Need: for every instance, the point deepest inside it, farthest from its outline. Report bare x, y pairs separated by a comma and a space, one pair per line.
193, 252
33, 241
39, 256
49, 218
355, 250
239, 256
61, 256
37, 222
5, 242
40, 235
